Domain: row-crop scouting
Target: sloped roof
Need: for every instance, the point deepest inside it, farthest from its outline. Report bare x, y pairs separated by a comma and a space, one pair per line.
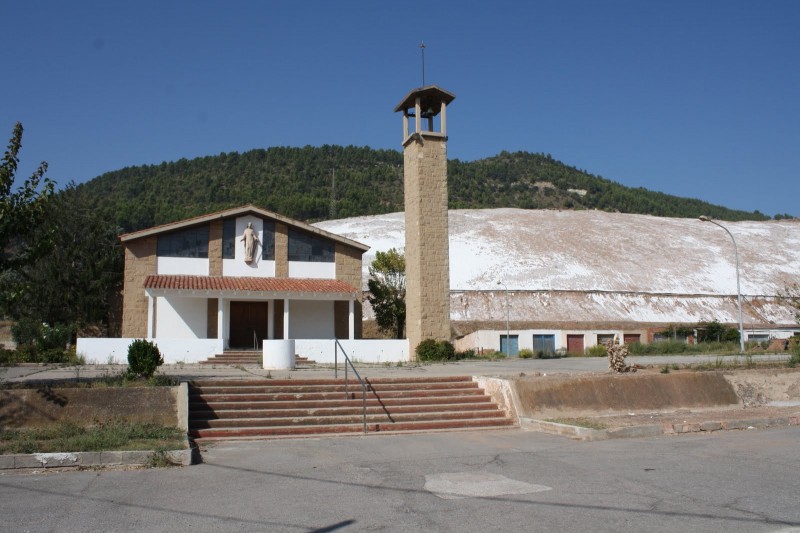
248, 284
239, 211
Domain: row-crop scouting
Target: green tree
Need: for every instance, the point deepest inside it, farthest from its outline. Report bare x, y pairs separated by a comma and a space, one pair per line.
387, 292
75, 283
22, 210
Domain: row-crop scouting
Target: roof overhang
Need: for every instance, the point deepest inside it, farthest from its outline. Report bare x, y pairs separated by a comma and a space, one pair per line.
249, 288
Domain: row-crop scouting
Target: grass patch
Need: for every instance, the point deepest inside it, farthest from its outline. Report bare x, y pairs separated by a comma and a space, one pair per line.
579, 422
103, 436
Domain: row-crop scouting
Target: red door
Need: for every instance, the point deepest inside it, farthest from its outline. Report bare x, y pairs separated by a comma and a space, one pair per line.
575, 344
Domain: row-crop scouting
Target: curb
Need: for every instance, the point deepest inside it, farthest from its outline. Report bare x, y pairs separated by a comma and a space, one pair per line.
653, 430
92, 459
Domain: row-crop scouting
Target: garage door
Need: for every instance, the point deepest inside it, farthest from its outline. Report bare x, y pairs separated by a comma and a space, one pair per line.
575, 344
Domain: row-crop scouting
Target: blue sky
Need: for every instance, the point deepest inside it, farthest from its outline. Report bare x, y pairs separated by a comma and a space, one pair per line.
694, 98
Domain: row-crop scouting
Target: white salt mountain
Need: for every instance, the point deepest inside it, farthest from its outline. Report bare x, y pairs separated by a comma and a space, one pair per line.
597, 267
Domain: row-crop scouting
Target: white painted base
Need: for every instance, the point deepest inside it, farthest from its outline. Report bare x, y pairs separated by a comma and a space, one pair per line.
358, 350
279, 354
115, 351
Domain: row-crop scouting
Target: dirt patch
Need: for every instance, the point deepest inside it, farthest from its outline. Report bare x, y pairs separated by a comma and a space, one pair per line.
764, 387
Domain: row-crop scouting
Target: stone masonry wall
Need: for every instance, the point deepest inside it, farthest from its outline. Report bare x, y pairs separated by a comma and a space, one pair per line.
281, 250
427, 248
140, 262
348, 269
215, 248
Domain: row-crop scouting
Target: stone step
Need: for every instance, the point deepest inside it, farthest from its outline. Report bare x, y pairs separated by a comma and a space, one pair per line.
354, 429
202, 405
344, 419
295, 388
283, 382
317, 396
324, 409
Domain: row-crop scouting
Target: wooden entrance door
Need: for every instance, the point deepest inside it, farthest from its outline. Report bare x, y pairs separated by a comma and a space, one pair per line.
249, 324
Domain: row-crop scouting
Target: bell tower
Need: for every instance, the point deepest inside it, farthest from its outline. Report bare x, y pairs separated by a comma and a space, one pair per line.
427, 250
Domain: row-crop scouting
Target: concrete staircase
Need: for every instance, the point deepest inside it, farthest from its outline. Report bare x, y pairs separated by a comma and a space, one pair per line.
244, 358
226, 409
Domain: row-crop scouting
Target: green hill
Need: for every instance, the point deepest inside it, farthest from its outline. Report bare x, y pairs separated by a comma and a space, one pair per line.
298, 182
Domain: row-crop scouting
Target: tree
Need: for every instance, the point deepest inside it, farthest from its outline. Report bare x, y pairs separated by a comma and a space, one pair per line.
77, 280
387, 292
22, 210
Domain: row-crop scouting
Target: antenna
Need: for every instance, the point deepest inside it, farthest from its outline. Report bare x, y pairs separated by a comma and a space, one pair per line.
422, 51
332, 213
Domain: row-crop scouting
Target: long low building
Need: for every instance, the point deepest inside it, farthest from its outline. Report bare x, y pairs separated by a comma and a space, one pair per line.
572, 278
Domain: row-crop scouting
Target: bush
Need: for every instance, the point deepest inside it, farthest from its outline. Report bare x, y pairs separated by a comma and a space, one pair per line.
526, 353
42, 336
598, 350
431, 350
144, 358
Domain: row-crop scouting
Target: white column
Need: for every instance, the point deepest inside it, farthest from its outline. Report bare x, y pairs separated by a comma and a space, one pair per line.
443, 118
271, 320
220, 324
351, 320
418, 116
286, 318
151, 316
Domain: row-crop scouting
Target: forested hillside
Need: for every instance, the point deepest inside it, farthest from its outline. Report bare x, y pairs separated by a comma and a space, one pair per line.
300, 183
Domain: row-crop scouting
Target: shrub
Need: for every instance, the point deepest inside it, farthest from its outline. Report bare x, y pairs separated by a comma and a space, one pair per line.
598, 350
144, 358
431, 350
526, 353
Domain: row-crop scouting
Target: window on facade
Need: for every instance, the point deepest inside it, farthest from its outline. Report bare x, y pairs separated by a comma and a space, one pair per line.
268, 241
603, 338
310, 248
229, 238
190, 242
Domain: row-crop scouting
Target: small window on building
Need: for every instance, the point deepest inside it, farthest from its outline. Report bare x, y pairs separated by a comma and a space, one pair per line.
602, 338
310, 248
268, 241
190, 242
229, 239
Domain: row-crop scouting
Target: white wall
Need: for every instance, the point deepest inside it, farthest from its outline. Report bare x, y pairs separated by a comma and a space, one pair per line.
358, 350
181, 318
308, 269
257, 269
115, 351
186, 266
310, 319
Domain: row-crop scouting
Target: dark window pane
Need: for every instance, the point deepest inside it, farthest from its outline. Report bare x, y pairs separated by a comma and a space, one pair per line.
229, 239
190, 242
310, 248
268, 241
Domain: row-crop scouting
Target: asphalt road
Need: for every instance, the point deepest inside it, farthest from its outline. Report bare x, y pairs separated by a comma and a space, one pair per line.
468, 481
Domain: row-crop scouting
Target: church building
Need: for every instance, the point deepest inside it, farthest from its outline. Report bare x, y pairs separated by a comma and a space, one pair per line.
238, 277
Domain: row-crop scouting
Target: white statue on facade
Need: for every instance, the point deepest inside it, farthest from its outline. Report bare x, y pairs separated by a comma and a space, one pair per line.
250, 238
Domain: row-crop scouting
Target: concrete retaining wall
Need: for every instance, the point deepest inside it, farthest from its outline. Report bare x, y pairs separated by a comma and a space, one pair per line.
37, 407
551, 397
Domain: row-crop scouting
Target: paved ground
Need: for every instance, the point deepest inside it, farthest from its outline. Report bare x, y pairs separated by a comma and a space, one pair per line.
471, 481
569, 365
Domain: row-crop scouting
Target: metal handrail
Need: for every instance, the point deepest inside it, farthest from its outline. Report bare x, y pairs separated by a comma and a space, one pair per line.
347, 361
255, 341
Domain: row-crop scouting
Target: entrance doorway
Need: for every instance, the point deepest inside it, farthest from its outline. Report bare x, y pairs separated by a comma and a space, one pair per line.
249, 324
575, 344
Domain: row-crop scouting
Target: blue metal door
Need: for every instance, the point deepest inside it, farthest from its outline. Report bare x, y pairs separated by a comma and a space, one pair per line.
513, 345
546, 344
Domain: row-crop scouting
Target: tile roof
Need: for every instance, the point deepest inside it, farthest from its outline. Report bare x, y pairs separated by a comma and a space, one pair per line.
230, 283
